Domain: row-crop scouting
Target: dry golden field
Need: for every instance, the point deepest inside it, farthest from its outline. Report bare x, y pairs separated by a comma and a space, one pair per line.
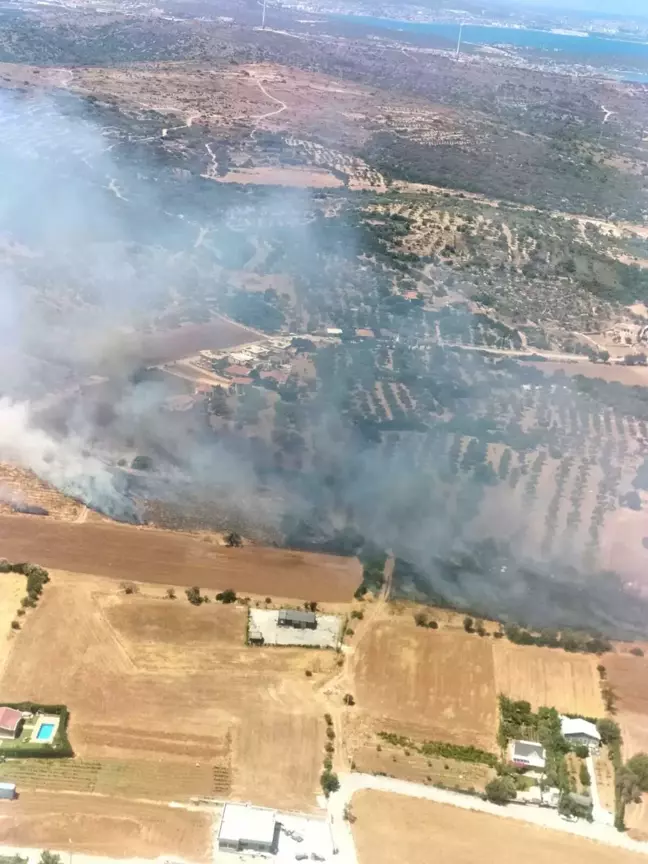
545, 676
167, 698
12, 590
392, 829
99, 826
427, 684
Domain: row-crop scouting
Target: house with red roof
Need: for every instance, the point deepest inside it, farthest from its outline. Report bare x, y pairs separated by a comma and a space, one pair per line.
10, 720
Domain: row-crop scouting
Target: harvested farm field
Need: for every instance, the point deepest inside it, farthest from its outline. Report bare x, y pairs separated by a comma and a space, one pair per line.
121, 662
98, 826
167, 345
433, 684
154, 555
545, 676
391, 829
628, 677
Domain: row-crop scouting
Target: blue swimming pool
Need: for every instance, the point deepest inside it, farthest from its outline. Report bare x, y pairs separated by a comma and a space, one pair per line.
45, 732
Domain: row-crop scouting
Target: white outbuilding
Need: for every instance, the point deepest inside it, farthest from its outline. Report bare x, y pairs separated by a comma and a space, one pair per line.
576, 730
247, 828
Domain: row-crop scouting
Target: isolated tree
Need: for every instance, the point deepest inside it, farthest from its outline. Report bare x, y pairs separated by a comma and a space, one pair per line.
469, 624
233, 539
194, 596
48, 857
348, 699
227, 596
584, 775
421, 619
609, 731
501, 790
171, 594
329, 782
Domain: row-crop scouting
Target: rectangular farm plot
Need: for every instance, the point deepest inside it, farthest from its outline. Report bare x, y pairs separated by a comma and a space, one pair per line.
628, 677
99, 826
326, 633
392, 829
438, 685
548, 676
165, 698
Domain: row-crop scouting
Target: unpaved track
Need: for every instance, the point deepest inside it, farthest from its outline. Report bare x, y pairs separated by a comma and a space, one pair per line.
174, 558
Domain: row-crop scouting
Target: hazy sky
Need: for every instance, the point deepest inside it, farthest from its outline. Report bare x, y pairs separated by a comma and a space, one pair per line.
622, 7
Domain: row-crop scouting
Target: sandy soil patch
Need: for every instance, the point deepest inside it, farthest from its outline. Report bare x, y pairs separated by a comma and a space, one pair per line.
438, 685
154, 555
544, 676
97, 826
301, 177
391, 829
166, 701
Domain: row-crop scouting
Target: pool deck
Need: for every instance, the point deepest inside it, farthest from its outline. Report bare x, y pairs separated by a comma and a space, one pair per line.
52, 720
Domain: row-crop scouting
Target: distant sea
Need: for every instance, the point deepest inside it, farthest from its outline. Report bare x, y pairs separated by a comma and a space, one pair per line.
597, 45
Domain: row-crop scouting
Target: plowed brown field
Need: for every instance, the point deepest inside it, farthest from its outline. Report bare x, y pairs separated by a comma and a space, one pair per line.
98, 826
153, 555
393, 829
427, 684
628, 677
168, 345
545, 676
167, 699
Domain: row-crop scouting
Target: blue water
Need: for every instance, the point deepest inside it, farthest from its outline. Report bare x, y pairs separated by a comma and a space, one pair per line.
45, 732
539, 39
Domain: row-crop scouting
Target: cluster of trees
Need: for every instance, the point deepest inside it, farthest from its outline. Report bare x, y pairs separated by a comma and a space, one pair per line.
195, 597
567, 640
37, 578
328, 779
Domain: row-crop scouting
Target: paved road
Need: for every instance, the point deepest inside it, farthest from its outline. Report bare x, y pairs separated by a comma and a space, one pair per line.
544, 818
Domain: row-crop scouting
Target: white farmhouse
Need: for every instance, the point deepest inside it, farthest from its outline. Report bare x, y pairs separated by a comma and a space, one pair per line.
528, 754
576, 730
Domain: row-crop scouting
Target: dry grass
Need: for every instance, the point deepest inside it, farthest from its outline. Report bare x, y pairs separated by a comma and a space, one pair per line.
544, 676
392, 829
22, 485
427, 684
98, 826
12, 590
167, 698
413, 766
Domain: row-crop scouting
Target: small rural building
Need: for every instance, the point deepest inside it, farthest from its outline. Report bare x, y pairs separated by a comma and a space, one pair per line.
576, 730
528, 754
247, 828
297, 618
8, 790
10, 721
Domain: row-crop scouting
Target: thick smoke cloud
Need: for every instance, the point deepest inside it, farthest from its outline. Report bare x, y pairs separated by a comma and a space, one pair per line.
94, 249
